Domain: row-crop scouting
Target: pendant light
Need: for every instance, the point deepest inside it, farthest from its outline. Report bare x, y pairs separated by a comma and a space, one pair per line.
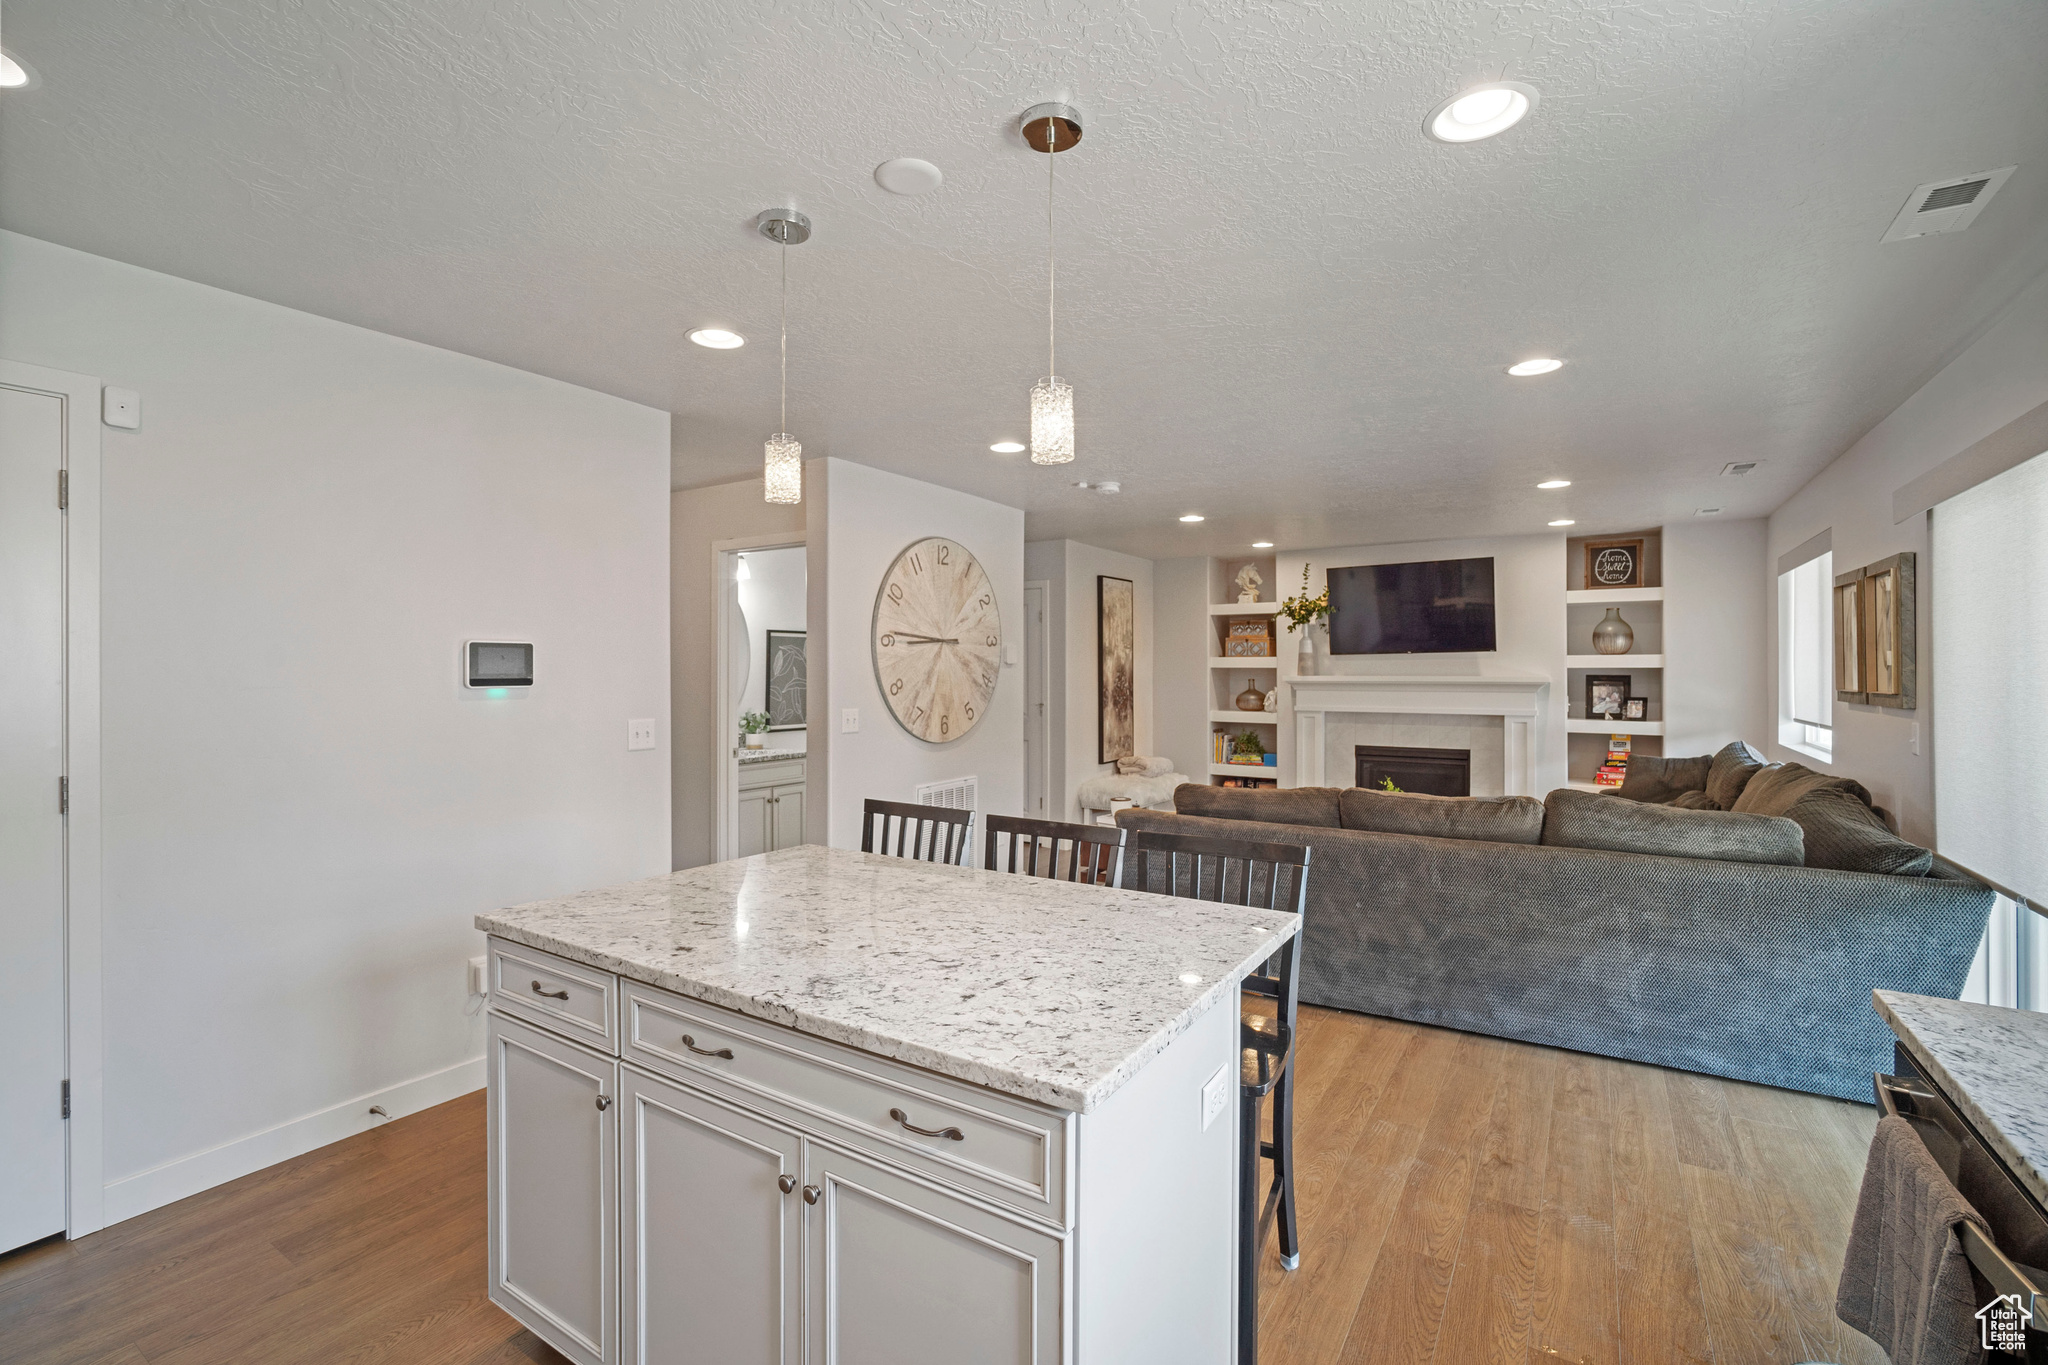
782, 461
1051, 128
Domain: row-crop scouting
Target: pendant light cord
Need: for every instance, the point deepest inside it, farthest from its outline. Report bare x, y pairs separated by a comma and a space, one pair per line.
1051, 267
785, 335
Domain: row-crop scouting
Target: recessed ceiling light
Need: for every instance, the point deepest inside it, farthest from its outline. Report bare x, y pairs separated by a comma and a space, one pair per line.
1564, 521
1481, 112
1007, 447
908, 175
1523, 369
1262, 545
13, 75
717, 338
1555, 483
1192, 517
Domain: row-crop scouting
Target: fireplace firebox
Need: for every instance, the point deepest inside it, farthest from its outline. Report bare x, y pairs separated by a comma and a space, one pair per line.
1429, 772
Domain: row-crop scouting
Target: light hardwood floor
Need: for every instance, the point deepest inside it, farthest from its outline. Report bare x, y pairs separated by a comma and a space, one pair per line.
1464, 1199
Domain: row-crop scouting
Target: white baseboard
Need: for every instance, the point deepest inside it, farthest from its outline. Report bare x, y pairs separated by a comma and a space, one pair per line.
188, 1175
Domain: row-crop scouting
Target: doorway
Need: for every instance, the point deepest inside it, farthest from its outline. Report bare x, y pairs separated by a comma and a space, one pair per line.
1037, 716
49, 804
763, 694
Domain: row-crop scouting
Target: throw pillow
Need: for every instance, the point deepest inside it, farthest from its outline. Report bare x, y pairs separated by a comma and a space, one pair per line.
1496, 819
1661, 781
1274, 805
1577, 819
1731, 771
1843, 830
1693, 801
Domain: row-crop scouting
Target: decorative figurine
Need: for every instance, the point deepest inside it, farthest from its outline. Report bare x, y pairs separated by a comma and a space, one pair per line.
1273, 700
1248, 581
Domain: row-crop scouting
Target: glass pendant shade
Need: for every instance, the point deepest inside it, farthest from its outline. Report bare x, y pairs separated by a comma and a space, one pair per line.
782, 468
1052, 421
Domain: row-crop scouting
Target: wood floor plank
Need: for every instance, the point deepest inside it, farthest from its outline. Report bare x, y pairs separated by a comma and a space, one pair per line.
1575, 1312
1699, 1121
1660, 1313
1748, 1317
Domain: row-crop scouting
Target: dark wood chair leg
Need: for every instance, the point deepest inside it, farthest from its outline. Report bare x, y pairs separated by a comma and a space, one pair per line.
1283, 1167
1248, 1230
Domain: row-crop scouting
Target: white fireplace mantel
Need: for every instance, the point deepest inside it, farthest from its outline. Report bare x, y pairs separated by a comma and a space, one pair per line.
1517, 700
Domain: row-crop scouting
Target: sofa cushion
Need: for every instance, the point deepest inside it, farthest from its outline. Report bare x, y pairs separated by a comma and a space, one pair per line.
1497, 819
1578, 819
1730, 772
1661, 781
1843, 830
1698, 800
1275, 805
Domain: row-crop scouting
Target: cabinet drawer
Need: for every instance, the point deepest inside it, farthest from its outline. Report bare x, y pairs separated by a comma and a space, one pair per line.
576, 1002
1007, 1150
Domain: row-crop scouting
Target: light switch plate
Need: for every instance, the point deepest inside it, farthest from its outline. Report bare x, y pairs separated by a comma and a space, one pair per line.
639, 734
849, 720
1009, 655
121, 407
1215, 1096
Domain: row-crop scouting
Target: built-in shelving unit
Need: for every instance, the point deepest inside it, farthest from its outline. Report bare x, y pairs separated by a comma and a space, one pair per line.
1614, 727
1643, 608
1229, 676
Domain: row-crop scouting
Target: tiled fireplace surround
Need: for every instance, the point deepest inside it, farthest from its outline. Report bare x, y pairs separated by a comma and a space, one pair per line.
1497, 718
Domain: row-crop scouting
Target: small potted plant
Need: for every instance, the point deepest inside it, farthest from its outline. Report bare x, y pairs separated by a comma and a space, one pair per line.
1247, 748
1309, 614
754, 728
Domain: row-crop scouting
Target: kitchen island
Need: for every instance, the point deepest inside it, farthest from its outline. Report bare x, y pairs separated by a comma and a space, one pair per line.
821, 1105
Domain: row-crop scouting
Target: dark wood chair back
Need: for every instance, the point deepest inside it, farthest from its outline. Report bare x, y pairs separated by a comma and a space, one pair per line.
1053, 848
904, 829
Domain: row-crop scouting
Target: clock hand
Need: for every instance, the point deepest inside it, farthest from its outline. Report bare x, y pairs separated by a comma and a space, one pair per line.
925, 639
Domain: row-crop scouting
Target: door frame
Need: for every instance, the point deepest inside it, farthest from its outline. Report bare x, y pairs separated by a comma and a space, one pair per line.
1039, 632
725, 600
85, 1187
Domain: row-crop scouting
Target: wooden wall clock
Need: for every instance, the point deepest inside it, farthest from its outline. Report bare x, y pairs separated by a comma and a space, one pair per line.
938, 640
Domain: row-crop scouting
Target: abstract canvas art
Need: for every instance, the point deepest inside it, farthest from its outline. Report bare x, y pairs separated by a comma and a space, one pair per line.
1116, 616
785, 680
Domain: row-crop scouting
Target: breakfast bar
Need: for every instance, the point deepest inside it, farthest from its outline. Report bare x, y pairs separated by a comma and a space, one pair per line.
818, 1104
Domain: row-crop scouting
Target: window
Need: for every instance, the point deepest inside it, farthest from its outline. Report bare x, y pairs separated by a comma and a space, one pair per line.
1806, 657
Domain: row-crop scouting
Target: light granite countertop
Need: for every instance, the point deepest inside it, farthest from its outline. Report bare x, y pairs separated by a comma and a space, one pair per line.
1050, 991
768, 755
1993, 1063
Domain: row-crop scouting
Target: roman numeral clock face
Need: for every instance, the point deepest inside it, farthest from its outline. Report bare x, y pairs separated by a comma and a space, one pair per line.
938, 640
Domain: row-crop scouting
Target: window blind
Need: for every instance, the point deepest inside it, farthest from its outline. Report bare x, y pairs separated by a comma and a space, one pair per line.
1989, 609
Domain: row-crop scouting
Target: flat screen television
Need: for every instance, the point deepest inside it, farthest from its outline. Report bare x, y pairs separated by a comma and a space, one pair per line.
1443, 606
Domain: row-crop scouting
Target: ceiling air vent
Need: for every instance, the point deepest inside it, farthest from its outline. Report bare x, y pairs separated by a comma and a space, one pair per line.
1946, 205
1736, 469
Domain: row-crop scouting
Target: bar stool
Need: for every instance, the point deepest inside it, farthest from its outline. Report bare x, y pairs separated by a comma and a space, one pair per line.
927, 834
1094, 854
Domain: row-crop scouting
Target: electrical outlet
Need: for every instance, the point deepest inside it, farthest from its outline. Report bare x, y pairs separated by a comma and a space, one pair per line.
849, 720
479, 982
639, 734
1215, 1096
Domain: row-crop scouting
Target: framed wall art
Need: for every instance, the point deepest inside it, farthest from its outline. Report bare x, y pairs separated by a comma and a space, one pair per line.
1606, 695
1849, 637
1876, 644
1116, 617
1614, 563
786, 680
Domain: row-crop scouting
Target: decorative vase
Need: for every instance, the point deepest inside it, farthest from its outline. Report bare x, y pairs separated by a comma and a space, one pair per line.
1613, 635
754, 740
1305, 661
1251, 699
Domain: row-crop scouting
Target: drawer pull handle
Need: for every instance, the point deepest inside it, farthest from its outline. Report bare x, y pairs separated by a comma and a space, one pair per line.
785, 1183
691, 1043
811, 1194
551, 995
950, 1134
604, 1102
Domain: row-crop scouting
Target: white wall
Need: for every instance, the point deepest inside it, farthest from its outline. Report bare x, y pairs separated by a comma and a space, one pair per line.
1180, 651
772, 598
2000, 376
859, 520
1715, 597
697, 518
302, 806
1073, 663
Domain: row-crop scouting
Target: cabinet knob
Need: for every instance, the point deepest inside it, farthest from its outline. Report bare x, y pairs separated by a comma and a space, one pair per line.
604, 1101
786, 1183
811, 1193
552, 995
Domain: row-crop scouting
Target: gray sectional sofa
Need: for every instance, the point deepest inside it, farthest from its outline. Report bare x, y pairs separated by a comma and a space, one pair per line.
1668, 924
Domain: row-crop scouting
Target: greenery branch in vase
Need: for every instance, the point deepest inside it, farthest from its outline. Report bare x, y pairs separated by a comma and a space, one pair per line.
753, 728
1308, 614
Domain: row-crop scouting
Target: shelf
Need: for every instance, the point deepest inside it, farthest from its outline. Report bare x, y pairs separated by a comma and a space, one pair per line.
1580, 596
1254, 663
1243, 770
1243, 608
1614, 727
1245, 717
1588, 787
1623, 661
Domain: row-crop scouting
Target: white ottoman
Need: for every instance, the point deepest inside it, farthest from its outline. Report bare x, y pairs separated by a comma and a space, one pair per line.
1102, 797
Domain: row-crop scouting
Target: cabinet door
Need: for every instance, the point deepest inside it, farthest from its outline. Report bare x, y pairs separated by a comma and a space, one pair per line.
712, 1246
897, 1273
754, 814
788, 816
554, 1189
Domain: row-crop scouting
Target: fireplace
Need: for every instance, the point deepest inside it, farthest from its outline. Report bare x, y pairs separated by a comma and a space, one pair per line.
1429, 772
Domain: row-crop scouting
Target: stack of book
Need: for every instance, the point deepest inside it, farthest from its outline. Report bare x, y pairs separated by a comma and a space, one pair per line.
1614, 771
1247, 782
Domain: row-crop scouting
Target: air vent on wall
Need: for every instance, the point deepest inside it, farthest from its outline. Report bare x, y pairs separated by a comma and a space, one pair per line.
955, 793
1946, 205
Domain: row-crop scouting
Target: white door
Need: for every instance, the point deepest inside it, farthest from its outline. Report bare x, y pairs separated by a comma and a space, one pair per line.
554, 1171
897, 1273
1037, 724
31, 827
712, 1230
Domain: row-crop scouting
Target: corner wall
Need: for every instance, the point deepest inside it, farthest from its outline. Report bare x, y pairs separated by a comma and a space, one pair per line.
302, 805
1073, 658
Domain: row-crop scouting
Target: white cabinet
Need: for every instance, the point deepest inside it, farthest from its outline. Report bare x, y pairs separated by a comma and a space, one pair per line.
771, 806
554, 1171
712, 1225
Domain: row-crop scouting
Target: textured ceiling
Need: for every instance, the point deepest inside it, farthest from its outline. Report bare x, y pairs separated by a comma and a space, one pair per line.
1281, 305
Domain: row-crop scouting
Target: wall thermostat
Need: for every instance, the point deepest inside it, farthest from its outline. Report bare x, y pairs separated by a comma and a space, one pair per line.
496, 663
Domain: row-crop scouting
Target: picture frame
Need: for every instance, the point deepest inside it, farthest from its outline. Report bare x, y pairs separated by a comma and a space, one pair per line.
1636, 708
1614, 563
1887, 621
786, 680
1606, 695
1849, 637
1116, 643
